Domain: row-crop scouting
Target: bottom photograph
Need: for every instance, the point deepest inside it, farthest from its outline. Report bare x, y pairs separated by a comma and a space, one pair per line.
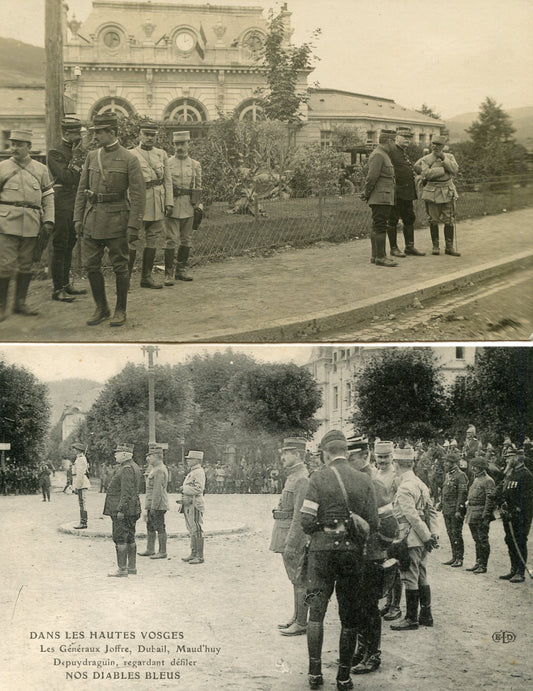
266, 517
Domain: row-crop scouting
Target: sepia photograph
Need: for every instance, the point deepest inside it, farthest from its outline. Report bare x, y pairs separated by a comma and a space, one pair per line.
280, 172
202, 503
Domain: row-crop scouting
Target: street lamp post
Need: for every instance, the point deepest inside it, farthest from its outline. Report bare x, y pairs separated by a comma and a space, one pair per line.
150, 351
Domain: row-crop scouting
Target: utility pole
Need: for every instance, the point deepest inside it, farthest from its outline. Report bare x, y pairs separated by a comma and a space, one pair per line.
54, 69
150, 351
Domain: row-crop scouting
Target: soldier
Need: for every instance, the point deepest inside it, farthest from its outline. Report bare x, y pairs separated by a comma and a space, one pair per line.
515, 500
437, 170
159, 201
65, 161
453, 498
338, 513
103, 216
187, 185
26, 210
471, 449
379, 194
44, 472
156, 504
405, 194
81, 482
123, 505
418, 521
194, 505
479, 512
288, 538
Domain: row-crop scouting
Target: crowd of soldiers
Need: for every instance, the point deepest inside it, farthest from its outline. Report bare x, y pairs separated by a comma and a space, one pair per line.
364, 522
105, 198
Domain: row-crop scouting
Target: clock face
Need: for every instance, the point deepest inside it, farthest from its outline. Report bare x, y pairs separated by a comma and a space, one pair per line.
185, 41
112, 39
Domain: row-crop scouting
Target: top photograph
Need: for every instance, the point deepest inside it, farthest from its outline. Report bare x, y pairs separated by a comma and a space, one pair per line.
280, 172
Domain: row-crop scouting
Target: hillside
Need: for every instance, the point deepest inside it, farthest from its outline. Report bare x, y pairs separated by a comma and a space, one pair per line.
72, 392
522, 119
20, 63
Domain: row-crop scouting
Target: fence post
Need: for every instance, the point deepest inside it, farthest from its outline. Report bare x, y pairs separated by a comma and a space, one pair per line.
320, 204
256, 207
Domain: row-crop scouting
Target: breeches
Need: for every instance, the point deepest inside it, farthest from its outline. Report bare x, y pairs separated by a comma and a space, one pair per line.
93, 251
124, 529
380, 218
15, 255
440, 213
416, 574
179, 232
480, 535
403, 209
291, 562
155, 522
454, 528
153, 230
342, 571
193, 520
82, 499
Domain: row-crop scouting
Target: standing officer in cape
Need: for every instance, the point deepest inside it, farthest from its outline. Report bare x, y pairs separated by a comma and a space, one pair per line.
187, 188
288, 537
26, 206
339, 512
110, 202
159, 201
65, 161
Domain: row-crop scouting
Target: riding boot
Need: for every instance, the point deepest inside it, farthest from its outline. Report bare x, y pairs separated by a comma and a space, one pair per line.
132, 558
409, 235
425, 617
434, 232
449, 237
4, 287
162, 553
146, 272
150, 545
373, 247
169, 267
181, 265
101, 312
392, 234
372, 658
347, 640
193, 553
21, 290
199, 558
122, 562
131, 261
394, 611
122, 282
315, 637
381, 257
83, 521
410, 621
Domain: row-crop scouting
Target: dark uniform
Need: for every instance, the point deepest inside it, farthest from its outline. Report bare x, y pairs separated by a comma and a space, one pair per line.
479, 514
111, 198
453, 498
65, 161
123, 498
515, 500
336, 554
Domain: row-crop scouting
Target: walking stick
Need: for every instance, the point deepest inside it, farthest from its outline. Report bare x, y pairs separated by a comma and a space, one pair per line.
454, 225
518, 549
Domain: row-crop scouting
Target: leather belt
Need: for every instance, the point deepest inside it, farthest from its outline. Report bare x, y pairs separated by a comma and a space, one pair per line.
24, 205
101, 198
153, 183
181, 192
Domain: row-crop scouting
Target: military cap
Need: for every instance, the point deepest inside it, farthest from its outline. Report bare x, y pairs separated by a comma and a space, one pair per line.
404, 132
479, 462
405, 456
21, 136
178, 137
154, 450
105, 120
471, 428
358, 458
124, 448
387, 136
439, 139
294, 443
78, 446
357, 442
149, 126
332, 435
71, 124
195, 456
382, 448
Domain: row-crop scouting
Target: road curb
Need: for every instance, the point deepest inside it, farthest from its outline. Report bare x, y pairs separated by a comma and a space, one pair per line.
346, 316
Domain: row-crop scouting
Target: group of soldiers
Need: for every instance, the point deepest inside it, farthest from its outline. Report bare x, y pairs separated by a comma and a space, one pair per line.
104, 197
366, 530
393, 183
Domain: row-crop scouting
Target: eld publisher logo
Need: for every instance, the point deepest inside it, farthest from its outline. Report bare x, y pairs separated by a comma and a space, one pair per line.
504, 637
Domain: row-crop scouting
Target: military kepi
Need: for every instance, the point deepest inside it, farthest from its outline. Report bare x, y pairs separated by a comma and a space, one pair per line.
294, 443
149, 126
197, 456
125, 448
332, 435
178, 137
21, 135
102, 122
71, 124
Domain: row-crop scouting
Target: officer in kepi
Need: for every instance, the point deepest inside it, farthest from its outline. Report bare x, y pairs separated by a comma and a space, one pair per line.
26, 212
110, 203
187, 188
159, 201
65, 161
338, 513
480, 512
288, 537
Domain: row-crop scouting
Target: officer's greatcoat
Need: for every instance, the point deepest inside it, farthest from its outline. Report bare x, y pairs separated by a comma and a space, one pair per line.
380, 180
415, 512
123, 490
287, 532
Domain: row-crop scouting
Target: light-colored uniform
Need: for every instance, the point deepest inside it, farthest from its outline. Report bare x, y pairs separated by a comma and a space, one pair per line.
186, 176
439, 190
158, 181
26, 201
193, 493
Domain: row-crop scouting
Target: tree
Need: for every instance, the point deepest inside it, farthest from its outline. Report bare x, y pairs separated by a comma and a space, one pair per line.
399, 394
497, 394
317, 170
427, 110
284, 64
492, 136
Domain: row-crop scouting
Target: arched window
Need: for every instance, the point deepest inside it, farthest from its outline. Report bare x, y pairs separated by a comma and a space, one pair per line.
186, 111
250, 111
112, 104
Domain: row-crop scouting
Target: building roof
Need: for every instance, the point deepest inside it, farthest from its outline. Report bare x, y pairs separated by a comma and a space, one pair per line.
334, 103
25, 101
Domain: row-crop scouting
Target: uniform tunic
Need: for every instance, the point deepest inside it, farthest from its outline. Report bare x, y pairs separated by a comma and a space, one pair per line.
156, 500
186, 175
380, 179
123, 497
479, 514
155, 169
193, 492
439, 191
453, 498
515, 498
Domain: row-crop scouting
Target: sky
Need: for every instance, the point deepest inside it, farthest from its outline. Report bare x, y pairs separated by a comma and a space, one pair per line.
449, 54
98, 362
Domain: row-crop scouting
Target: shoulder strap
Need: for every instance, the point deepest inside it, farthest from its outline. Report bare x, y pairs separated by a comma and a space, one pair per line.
99, 154
11, 174
343, 488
